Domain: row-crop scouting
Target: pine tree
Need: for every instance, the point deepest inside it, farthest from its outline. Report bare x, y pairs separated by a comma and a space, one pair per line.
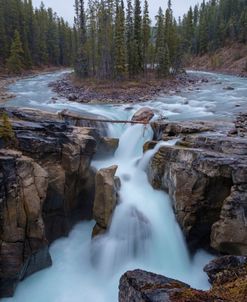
119, 45
130, 38
137, 51
81, 65
146, 34
15, 60
3, 37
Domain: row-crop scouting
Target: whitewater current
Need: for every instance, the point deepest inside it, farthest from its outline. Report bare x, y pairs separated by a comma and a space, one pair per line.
143, 234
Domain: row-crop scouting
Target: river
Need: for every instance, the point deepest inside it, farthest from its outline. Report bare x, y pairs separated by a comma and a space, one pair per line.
144, 232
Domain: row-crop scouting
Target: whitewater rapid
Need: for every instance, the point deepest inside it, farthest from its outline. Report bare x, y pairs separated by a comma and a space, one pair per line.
143, 234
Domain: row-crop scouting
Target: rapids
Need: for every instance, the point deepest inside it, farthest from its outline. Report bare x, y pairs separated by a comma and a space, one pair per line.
144, 232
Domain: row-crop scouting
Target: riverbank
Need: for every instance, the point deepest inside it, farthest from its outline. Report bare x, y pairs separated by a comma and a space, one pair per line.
7, 79
231, 60
120, 92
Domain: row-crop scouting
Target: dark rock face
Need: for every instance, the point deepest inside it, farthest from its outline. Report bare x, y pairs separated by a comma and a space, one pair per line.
45, 188
23, 244
206, 177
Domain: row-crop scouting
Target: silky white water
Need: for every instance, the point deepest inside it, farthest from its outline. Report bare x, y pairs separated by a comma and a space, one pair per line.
143, 234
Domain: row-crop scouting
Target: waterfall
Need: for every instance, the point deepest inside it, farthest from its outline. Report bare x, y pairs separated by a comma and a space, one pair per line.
143, 234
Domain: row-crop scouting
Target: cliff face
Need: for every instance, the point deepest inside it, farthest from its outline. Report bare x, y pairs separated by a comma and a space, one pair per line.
23, 244
205, 175
45, 188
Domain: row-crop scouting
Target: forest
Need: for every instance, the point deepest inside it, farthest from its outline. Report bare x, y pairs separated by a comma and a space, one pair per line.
33, 37
111, 41
115, 42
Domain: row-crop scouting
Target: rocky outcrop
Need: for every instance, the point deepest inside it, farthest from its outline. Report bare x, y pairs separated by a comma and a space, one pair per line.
222, 269
206, 177
144, 115
46, 187
23, 243
141, 286
107, 186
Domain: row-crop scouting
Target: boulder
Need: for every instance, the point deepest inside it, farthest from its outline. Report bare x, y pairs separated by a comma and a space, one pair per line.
142, 286
144, 115
106, 198
107, 146
222, 269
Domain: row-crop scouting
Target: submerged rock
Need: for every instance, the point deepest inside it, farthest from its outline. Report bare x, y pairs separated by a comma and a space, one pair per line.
106, 198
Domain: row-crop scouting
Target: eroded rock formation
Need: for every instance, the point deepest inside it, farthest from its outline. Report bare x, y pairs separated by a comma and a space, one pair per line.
23, 243
46, 187
106, 198
205, 174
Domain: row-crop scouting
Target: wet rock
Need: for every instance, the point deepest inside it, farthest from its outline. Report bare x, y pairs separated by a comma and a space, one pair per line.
106, 198
228, 88
222, 269
144, 115
39, 205
23, 244
142, 286
107, 146
164, 130
206, 177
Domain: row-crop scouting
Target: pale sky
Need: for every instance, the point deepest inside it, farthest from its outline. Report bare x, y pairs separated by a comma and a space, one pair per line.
65, 8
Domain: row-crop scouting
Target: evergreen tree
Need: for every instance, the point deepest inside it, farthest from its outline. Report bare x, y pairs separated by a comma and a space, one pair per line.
137, 47
81, 65
146, 34
15, 60
120, 52
130, 38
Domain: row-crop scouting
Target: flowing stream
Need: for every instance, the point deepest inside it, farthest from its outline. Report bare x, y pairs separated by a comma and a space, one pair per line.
144, 232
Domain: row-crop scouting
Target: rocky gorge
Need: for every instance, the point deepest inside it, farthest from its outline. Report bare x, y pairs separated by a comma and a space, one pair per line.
48, 184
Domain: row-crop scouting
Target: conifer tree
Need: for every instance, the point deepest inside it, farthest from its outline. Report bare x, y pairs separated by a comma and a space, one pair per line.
15, 60
146, 34
81, 65
119, 45
137, 51
130, 38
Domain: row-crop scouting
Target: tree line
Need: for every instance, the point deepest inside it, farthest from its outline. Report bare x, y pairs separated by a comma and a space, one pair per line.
213, 25
118, 42
33, 37
114, 41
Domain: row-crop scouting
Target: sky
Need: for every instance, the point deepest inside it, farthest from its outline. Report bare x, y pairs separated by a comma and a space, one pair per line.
65, 8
